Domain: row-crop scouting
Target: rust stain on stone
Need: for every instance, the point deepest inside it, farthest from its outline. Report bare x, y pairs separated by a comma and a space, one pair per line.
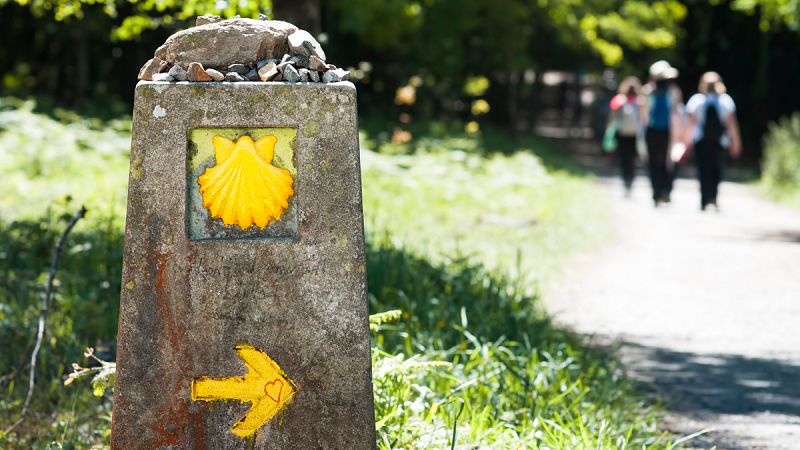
174, 420
198, 430
162, 304
171, 423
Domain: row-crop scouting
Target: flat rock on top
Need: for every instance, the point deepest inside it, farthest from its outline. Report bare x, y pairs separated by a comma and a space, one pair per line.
152, 67
301, 42
227, 42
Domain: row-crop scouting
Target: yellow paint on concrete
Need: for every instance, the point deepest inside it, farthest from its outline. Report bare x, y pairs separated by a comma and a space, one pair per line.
244, 188
284, 147
264, 385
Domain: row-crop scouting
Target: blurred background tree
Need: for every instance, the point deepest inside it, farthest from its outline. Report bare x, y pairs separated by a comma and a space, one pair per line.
79, 52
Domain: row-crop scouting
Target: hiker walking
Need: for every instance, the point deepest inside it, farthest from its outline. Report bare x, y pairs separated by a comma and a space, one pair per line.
712, 130
625, 120
663, 119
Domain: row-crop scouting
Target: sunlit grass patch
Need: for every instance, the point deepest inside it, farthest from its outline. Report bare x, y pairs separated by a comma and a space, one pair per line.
47, 160
494, 200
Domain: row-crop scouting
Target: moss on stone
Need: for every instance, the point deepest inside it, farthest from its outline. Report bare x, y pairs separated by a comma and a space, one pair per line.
136, 167
311, 128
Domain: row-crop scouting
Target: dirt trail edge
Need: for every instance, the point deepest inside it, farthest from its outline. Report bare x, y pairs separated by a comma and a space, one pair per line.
705, 309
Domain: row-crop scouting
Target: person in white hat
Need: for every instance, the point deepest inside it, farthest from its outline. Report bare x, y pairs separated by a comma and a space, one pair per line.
662, 70
663, 118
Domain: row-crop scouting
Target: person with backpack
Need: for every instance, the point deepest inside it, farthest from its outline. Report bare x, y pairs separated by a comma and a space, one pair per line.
663, 119
626, 121
711, 130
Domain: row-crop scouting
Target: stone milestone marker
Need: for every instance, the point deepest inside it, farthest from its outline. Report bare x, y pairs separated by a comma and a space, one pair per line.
243, 317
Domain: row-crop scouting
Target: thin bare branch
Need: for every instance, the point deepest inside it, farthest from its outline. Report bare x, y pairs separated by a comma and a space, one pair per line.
48, 294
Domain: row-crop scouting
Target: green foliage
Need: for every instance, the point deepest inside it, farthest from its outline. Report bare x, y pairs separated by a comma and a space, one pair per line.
383, 24
781, 167
85, 302
83, 312
611, 27
476, 86
378, 319
52, 164
138, 16
49, 158
504, 33
773, 13
398, 392
103, 373
460, 50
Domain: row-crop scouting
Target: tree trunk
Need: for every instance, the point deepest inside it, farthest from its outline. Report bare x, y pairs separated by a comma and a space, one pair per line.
82, 69
534, 103
303, 13
513, 101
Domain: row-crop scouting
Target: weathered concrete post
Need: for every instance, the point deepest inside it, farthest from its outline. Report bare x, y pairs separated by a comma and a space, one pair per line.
243, 318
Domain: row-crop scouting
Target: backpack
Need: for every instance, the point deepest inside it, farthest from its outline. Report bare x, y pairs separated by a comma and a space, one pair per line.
660, 108
712, 127
628, 119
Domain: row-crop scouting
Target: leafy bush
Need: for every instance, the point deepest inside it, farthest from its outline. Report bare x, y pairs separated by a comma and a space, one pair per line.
782, 156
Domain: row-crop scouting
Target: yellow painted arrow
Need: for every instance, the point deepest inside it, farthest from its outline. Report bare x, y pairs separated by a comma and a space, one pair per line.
264, 385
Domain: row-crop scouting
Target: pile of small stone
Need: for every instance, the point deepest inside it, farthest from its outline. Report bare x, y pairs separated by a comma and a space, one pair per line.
240, 49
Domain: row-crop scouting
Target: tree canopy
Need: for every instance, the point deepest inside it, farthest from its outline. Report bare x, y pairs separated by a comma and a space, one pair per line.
76, 49
773, 13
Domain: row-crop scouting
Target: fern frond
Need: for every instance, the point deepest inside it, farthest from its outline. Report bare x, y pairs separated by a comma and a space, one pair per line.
376, 320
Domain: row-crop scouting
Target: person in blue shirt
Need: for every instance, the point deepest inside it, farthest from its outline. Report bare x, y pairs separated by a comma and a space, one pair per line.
663, 117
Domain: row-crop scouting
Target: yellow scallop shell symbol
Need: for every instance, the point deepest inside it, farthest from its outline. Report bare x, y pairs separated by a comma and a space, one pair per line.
244, 188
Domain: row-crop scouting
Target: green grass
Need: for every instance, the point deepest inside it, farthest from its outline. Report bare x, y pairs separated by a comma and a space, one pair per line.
785, 195
51, 165
780, 178
48, 159
462, 230
492, 199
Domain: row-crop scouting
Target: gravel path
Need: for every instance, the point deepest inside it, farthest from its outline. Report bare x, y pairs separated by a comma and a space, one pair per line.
705, 309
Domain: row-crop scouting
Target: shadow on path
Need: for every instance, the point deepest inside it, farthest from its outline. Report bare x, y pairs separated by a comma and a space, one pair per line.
716, 383
792, 236
742, 402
